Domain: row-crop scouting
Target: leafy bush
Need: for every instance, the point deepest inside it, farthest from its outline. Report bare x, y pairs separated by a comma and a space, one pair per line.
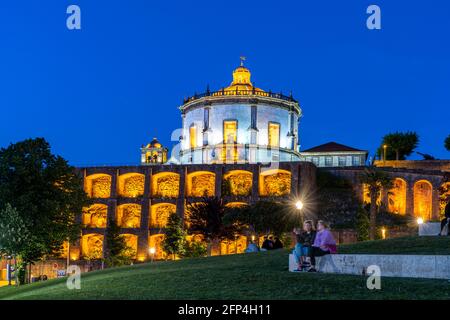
194, 249
362, 225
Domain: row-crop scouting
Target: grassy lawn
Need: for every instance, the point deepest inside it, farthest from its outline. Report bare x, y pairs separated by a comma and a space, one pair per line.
408, 245
246, 276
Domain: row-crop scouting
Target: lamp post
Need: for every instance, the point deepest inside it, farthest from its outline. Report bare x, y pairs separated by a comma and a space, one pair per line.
299, 205
152, 251
384, 152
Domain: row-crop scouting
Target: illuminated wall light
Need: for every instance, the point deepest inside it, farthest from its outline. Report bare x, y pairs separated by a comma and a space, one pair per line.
383, 233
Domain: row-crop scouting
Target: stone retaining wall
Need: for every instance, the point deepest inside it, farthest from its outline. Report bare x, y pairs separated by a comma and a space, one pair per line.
408, 266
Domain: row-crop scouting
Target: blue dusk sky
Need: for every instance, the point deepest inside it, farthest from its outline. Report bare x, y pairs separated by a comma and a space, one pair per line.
99, 93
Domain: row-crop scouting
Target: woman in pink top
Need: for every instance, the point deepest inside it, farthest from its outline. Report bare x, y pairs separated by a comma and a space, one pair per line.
324, 243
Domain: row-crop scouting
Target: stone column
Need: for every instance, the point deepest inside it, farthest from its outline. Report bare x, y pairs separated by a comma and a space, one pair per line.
111, 217
410, 198
255, 182
435, 204
182, 192
385, 199
142, 250
218, 181
148, 183
296, 188
114, 184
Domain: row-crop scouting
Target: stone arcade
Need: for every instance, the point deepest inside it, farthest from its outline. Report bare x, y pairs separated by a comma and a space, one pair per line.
249, 138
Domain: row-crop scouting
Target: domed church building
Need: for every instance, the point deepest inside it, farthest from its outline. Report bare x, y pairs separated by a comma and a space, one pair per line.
239, 124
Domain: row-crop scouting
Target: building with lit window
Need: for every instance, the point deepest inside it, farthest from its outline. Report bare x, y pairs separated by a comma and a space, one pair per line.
333, 154
239, 124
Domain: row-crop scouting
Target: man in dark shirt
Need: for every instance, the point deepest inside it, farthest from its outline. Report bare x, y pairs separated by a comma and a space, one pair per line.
267, 244
277, 243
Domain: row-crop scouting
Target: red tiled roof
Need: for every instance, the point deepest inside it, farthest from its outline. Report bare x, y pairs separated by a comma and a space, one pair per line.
331, 147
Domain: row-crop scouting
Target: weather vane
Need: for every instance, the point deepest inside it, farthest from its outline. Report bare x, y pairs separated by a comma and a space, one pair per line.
242, 60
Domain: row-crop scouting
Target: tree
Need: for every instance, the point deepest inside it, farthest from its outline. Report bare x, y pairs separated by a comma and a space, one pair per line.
207, 219
46, 192
399, 145
375, 180
117, 253
174, 239
447, 143
14, 235
194, 249
265, 217
362, 224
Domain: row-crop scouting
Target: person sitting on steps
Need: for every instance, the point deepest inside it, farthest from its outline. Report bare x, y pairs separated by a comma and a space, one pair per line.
445, 222
324, 243
304, 241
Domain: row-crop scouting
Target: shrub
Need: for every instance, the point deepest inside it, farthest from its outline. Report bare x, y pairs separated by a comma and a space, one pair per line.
194, 249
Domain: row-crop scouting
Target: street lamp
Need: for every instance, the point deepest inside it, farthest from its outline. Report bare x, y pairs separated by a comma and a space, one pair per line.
299, 205
384, 152
152, 251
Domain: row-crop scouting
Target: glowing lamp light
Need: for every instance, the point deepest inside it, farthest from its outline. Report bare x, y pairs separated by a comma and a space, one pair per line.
253, 238
152, 250
299, 205
419, 221
383, 233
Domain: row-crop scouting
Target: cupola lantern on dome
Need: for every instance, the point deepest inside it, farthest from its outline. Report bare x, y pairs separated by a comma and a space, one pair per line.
242, 79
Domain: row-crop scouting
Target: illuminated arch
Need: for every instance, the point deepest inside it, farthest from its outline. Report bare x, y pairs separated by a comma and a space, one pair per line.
423, 199
160, 213
200, 184
131, 241
195, 238
238, 245
95, 216
155, 242
366, 195
237, 183
98, 185
166, 185
236, 204
444, 197
92, 246
129, 215
275, 182
397, 197
131, 185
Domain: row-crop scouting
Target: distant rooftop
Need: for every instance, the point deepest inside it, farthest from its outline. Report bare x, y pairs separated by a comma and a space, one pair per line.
331, 147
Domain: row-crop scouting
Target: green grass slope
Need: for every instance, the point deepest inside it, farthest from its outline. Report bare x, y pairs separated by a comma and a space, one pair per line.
407, 245
247, 276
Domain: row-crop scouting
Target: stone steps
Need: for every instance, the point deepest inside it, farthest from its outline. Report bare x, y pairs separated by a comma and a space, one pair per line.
408, 266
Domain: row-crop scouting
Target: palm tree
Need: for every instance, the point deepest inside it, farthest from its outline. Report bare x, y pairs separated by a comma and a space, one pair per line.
375, 180
207, 219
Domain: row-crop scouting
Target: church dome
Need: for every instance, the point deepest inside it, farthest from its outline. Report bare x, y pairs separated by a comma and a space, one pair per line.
154, 144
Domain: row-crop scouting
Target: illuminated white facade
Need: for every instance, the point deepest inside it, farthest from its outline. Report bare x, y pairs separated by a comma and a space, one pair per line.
240, 124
